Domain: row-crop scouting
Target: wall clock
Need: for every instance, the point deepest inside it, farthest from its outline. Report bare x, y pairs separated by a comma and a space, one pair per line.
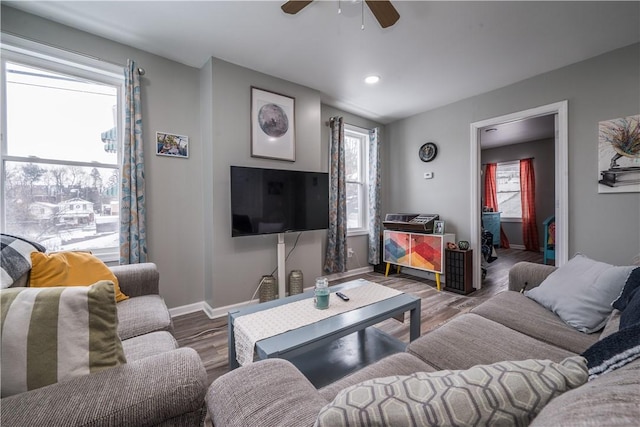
428, 152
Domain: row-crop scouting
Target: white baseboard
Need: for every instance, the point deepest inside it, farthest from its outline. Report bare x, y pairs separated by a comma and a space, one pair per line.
350, 273
186, 309
214, 313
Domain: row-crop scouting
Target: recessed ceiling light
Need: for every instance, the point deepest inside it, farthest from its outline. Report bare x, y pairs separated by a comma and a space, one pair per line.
491, 130
371, 80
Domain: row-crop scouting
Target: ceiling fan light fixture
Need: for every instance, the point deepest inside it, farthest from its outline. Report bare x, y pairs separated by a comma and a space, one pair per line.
371, 80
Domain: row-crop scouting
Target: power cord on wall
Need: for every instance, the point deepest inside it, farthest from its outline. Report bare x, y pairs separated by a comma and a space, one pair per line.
276, 269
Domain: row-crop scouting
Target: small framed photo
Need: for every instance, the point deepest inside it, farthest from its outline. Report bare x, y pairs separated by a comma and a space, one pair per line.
172, 145
438, 227
272, 125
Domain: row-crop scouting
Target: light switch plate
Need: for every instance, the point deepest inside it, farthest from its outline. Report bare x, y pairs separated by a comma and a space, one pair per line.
428, 175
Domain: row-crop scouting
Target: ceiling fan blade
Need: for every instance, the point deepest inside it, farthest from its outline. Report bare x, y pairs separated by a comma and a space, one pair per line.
294, 6
383, 10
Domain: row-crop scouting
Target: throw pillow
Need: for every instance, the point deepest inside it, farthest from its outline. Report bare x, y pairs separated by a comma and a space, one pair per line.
581, 292
15, 258
70, 269
55, 334
504, 393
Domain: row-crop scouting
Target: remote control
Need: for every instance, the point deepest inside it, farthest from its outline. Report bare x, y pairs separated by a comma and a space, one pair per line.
342, 296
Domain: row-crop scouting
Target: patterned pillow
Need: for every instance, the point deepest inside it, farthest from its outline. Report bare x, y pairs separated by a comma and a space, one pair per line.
15, 255
54, 334
504, 393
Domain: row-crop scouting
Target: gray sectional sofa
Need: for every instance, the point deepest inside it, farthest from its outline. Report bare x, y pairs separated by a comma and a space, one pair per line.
509, 326
160, 384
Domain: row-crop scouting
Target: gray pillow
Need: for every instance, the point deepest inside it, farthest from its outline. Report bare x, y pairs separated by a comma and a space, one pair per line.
504, 393
581, 292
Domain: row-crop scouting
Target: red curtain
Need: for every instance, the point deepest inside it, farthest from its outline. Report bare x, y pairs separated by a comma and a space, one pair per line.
491, 197
528, 199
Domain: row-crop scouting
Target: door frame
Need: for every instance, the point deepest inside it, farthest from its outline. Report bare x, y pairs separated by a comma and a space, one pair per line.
561, 149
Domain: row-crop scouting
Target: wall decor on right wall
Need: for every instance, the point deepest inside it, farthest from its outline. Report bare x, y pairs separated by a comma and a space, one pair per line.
619, 155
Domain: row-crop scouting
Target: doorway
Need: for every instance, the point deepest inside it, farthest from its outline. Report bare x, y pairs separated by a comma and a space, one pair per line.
559, 111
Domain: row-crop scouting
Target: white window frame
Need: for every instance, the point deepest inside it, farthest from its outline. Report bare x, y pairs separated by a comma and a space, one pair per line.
363, 135
31, 53
503, 217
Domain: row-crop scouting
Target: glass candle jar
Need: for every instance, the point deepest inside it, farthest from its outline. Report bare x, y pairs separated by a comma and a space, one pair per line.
321, 300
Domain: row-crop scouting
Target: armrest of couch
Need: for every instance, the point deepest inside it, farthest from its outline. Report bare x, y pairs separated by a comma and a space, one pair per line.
528, 273
138, 279
271, 392
166, 388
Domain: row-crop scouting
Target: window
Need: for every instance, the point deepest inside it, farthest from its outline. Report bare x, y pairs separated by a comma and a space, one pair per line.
356, 155
508, 189
60, 179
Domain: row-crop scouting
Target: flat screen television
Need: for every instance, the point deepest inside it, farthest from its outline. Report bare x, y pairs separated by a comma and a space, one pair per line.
267, 201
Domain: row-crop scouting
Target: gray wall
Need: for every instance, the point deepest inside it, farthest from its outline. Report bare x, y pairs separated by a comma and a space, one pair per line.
600, 88
543, 156
174, 187
237, 264
359, 244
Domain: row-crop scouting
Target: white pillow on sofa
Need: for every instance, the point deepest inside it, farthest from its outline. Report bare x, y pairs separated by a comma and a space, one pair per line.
581, 292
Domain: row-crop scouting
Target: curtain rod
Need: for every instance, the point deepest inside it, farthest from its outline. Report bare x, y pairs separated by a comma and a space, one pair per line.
508, 161
141, 70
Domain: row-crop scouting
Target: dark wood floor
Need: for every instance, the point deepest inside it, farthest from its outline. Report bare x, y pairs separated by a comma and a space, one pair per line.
209, 337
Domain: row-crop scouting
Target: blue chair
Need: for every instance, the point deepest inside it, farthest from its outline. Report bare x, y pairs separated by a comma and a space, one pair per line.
549, 244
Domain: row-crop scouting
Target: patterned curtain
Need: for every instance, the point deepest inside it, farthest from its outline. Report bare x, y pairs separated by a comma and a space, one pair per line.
133, 232
528, 200
336, 255
374, 196
491, 197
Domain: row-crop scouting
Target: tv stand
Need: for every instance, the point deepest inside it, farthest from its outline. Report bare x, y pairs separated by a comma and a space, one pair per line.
282, 286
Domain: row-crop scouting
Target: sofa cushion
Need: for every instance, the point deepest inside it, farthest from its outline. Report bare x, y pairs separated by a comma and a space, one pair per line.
609, 400
504, 393
612, 326
146, 345
70, 269
271, 392
141, 315
15, 258
469, 340
396, 364
581, 292
51, 335
516, 311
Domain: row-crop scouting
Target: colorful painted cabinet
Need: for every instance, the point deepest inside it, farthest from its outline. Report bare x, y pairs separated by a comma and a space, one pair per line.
416, 250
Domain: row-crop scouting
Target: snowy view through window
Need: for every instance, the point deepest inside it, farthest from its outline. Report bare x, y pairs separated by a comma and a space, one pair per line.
60, 169
508, 189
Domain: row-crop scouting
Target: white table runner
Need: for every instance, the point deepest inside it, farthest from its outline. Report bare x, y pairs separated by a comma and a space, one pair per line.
254, 327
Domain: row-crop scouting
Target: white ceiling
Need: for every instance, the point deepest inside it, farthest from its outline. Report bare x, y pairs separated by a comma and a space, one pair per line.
436, 54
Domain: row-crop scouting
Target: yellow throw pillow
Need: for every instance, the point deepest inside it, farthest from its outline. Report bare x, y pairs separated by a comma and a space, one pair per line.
70, 269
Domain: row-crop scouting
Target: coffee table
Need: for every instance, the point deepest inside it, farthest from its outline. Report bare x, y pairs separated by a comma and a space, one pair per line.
331, 348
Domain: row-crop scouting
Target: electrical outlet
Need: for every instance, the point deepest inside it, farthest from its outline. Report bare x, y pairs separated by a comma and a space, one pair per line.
349, 252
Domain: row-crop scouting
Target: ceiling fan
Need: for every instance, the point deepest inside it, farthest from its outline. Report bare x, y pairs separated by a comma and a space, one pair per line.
383, 10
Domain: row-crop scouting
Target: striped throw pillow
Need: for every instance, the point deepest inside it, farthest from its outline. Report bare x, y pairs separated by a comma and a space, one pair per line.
55, 334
